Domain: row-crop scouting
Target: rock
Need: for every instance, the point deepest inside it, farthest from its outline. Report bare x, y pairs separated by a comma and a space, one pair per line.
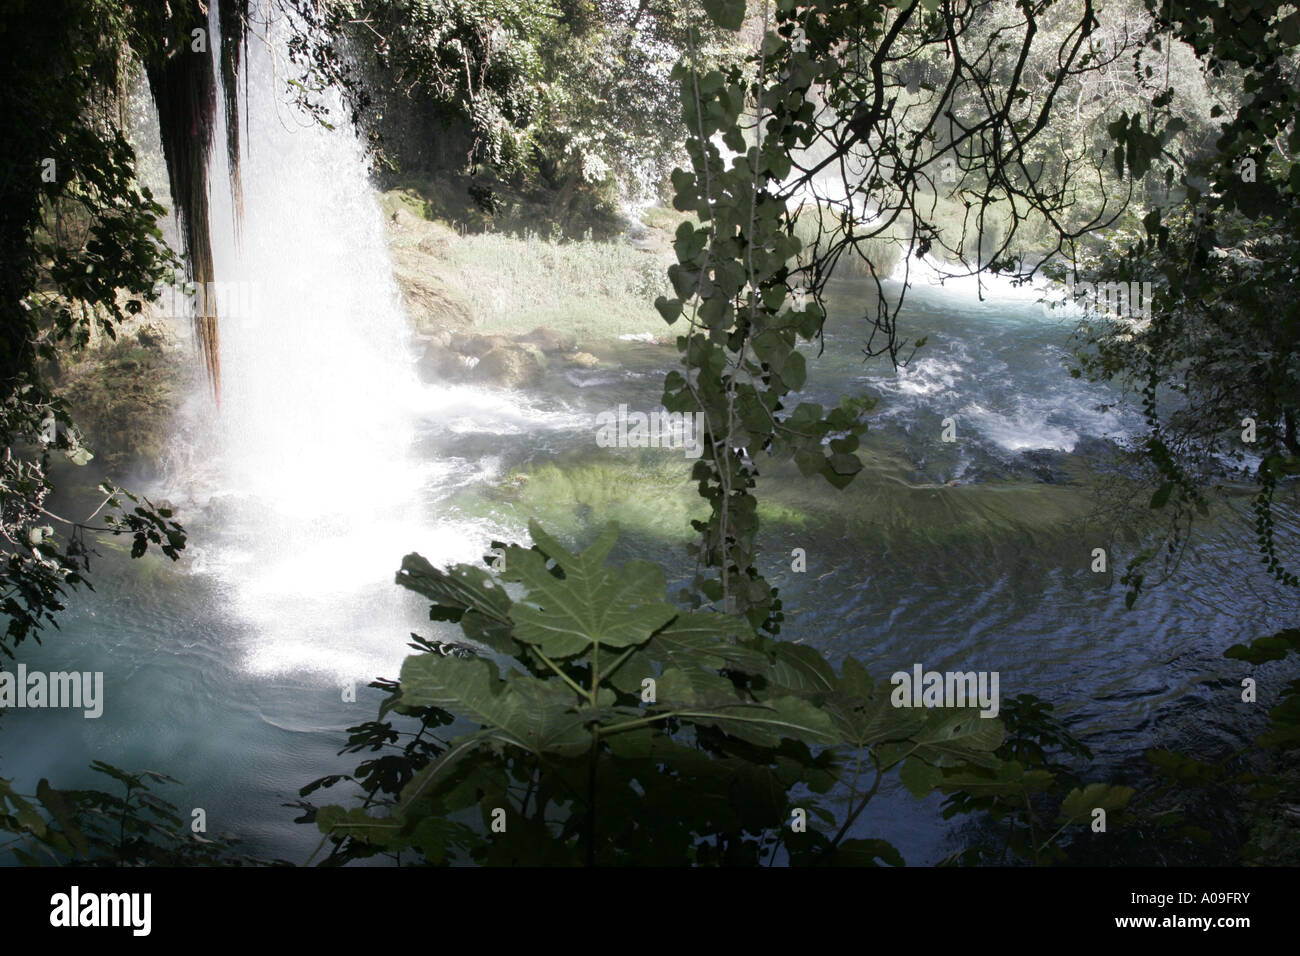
157, 335
441, 364
122, 397
431, 305
479, 346
584, 360
512, 366
548, 340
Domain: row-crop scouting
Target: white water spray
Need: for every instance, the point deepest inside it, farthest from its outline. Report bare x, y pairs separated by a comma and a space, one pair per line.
314, 487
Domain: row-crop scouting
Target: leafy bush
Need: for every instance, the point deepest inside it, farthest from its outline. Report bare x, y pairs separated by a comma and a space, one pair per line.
614, 728
98, 828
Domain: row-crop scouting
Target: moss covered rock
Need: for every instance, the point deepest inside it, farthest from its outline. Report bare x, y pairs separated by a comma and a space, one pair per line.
122, 395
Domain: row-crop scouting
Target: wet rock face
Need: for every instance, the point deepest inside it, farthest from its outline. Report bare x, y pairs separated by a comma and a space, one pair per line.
157, 335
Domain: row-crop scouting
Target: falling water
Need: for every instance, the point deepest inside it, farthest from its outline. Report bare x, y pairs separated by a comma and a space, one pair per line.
307, 468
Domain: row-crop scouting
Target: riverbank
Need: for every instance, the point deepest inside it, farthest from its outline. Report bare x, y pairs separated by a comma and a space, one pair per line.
503, 309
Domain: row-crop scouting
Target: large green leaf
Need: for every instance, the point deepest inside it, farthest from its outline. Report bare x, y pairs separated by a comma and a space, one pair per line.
801, 668
535, 714
866, 853
591, 603
466, 594
919, 777
691, 685
701, 639
765, 724
356, 822
423, 783
855, 679
1010, 779
627, 678
462, 587
1079, 804
951, 736
867, 722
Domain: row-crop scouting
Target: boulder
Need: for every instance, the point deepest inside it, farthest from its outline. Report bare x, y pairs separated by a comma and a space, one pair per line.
584, 360
478, 346
511, 366
548, 340
157, 334
431, 304
441, 364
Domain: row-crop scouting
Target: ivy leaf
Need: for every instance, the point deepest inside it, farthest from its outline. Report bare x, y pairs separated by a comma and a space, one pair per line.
670, 309
845, 464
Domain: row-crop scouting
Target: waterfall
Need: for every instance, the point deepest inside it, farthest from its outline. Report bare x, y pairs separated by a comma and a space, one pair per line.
309, 488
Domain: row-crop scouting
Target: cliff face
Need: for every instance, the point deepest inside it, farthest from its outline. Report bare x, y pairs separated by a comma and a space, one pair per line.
123, 392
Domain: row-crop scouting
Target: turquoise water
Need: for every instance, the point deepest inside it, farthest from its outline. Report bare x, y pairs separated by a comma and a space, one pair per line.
971, 555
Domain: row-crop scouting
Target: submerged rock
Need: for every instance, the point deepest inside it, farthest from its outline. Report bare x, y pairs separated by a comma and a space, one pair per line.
584, 360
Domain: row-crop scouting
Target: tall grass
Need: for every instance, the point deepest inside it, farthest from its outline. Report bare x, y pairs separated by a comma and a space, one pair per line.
584, 286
